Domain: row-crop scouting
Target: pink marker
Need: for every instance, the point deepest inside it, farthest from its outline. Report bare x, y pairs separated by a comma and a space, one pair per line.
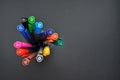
19, 44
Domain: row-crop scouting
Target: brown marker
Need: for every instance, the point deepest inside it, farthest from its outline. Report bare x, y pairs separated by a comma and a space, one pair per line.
26, 61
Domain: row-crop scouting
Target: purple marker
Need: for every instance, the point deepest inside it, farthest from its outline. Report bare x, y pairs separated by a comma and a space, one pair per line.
49, 32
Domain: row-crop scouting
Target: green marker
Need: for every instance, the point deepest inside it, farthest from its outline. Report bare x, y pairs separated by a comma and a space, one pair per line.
31, 27
31, 21
59, 42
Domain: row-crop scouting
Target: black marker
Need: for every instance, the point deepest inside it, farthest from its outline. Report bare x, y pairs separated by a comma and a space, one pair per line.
24, 21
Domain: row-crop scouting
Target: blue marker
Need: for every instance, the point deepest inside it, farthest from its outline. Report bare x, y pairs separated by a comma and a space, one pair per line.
38, 27
28, 34
21, 29
25, 33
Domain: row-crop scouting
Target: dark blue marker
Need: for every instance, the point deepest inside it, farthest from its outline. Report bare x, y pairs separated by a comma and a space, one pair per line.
28, 34
25, 33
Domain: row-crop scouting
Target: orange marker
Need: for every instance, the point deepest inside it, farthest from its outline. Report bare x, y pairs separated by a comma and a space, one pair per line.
22, 52
52, 37
49, 40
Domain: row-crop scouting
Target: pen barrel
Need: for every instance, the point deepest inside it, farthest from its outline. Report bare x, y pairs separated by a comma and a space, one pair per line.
28, 34
32, 55
26, 45
30, 27
31, 21
38, 38
51, 45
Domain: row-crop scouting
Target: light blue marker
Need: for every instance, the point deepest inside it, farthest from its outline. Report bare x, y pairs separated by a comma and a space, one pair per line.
38, 27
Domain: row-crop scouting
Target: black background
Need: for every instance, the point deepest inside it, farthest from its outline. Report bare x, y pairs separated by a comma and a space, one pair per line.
89, 28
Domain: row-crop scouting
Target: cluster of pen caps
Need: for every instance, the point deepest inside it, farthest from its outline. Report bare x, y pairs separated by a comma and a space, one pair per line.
39, 41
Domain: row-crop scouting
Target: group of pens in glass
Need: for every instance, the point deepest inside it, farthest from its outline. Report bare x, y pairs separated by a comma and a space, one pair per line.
39, 41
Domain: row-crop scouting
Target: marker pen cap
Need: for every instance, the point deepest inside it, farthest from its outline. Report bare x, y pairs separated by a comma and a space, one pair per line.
39, 58
24, 19
26, 61
20, 28
38, 27
46, 51
54, 36
31, 19
19, 44
59, 42
49, 32
22, 52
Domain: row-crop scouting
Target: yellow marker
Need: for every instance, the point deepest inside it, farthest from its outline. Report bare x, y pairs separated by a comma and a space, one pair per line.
46, 51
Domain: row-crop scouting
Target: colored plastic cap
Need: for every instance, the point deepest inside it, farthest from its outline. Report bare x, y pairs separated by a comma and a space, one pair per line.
31, 19
59, 42
20, 27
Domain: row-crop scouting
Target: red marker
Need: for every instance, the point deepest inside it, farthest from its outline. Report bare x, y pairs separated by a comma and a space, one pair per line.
22, 52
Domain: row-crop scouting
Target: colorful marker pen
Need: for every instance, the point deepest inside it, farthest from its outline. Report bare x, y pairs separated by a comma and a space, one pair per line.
39, 57
59, 42
26, 61
31, 21
48, 32
25, 33
24, 21
52, 37
21, 29
22, 52
19, 44
38, 27
46, 51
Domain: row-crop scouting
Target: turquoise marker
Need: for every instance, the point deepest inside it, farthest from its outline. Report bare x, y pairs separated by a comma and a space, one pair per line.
38, 27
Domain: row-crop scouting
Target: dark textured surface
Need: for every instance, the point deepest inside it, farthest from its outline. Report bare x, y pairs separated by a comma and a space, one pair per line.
91, 32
